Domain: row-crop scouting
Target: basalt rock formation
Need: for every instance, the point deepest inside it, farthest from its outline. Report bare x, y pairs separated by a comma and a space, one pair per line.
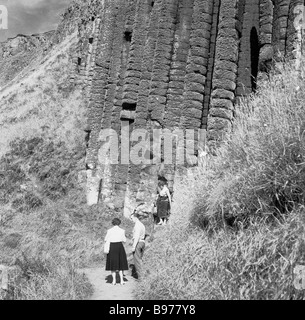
170, 64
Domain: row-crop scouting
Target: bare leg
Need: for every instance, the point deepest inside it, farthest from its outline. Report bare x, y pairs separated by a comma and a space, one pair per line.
121, 277
113, 277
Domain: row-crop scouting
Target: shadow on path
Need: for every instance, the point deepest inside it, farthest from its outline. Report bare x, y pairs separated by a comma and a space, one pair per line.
103, 288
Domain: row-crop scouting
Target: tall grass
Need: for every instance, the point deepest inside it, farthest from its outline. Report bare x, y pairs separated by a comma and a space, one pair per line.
237, 228
259, 171
55, 279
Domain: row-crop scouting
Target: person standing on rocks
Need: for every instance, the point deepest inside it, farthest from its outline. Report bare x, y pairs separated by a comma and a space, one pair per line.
138, 244
116, 258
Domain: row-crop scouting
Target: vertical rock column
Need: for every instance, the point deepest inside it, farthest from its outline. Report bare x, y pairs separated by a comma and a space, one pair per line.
96, 111
157, 95
294, 35
179, 65
131, 90
162, 66
280, 23
197, 65
265, 35
162, 60
196, 77
211, 62
149, 172
250, 23
112, 119
142, 113
119, 124
224, 77
177, 76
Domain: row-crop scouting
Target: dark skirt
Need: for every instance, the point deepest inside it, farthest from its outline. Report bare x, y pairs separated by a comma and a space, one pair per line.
116, 258
163, 208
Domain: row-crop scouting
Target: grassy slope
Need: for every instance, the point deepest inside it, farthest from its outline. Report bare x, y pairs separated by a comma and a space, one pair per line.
43, 216
238, 226
40, 100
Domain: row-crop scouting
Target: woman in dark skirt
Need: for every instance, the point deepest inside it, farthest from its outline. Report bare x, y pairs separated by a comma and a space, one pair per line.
116, 258
163, 202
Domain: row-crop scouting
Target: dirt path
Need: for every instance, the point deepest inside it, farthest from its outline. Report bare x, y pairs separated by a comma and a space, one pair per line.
102, 282
104, 290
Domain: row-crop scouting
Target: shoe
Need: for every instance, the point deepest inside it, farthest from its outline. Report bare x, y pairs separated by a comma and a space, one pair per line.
122, 283
113, 283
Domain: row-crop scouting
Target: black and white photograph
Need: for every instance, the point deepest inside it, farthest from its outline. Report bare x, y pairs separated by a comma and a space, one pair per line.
152, 153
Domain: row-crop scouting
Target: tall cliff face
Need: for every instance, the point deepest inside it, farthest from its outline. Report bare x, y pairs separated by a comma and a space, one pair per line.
169, 64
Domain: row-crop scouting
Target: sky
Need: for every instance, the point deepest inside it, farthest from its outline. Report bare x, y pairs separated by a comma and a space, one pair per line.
31, 16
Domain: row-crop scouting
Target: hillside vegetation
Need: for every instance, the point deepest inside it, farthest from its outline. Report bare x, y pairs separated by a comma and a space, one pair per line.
46, 229
237, 228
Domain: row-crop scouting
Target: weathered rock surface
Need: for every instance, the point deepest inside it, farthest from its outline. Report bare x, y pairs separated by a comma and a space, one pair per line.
170, 64
162, 64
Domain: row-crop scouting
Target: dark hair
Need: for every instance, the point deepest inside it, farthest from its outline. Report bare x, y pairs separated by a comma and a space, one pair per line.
116, 221
135, 214
162, 183
160, 178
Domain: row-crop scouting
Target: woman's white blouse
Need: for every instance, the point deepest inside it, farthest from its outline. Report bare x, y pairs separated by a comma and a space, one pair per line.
115, 234
164, 191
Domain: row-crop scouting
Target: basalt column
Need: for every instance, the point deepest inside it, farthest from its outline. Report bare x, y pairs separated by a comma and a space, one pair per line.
145, 189
280, 24
112, 119
130, 101
176, 88
163, 59
211, 63
196, 79
96, 107
294, 35
225, 72
249, 48
122, 120
265, 36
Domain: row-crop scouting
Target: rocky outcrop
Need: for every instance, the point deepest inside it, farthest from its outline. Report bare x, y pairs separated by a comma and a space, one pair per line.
19, 52
169, 65
25, 50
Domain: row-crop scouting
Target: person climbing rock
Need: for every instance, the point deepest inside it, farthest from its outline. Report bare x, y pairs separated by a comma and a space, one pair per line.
116, 258
138, 244
163, 202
